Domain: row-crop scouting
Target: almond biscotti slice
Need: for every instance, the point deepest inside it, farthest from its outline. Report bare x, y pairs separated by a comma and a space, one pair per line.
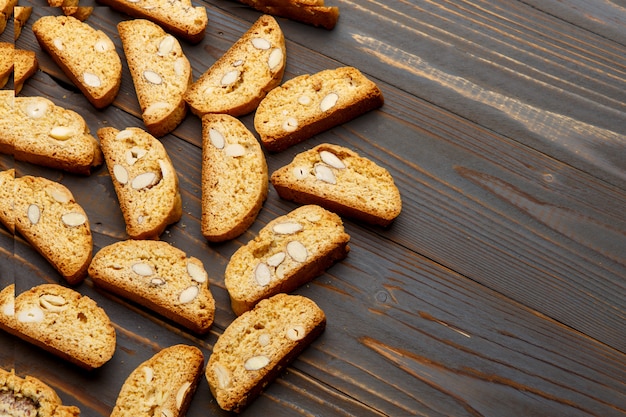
160, 277
61, 321
309, 104
29, 396
86, 55
312, 12
180, 18
36, 130
145, 181
258, 345
234, 177
238, 81
7, 191
49, 218
340, 180
290, 251
162, 385
161, 73
25, 66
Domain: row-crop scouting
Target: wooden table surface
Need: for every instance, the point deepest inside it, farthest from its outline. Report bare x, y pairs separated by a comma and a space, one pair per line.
499, 290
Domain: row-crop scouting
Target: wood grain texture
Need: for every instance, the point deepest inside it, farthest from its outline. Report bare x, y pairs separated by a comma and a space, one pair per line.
500, 288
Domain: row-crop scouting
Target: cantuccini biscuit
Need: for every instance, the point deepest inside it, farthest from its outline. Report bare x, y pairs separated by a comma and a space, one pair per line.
290, 251
161, 73
36, 130
158, 276
309, 104
61, 321
144, 179
162, 385
234, 177
50, 219
239, 79
86, 55
257, 345
340, 180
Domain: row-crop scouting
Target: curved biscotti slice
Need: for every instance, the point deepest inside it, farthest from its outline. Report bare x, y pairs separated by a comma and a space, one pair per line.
290, 251
234, 177
7, 196
36, 130
162, 385
49, 218
161, 73
86, 55
238, 81
25, 66
179, 17
158, 276
29, 396
340, 180
257, 345
309, 104
61, 321
144, 180
312, 12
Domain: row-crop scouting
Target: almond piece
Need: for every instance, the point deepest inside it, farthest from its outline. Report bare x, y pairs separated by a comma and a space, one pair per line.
287, 228
61, 132
32, 315
156, 108
300, 172
329, 102
262, 274
181, 393
143, 269
73, 219
235, 150
256, 362
295, 332
297, 251
33, 213
52, 302
152, 77
332, 160
189, 294
91, 80
120, 174
290, 124
324, 173
196, 272
222, 375
230, 77
276, 259
260, 43
166, 45
36, 109
275, 59
144, 180
60, 195
216, 138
